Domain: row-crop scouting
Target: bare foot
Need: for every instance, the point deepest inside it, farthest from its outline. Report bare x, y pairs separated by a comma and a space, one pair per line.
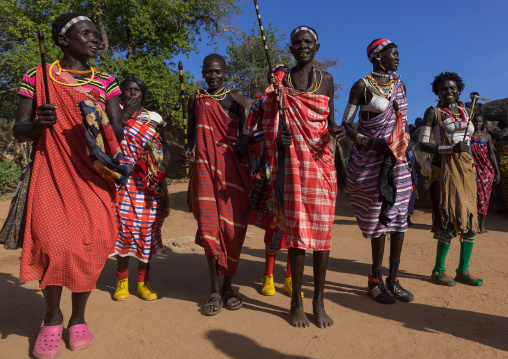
298, 317
322, 319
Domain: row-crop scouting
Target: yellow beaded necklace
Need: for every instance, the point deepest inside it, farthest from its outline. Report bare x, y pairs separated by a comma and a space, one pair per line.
70, 71
221, 93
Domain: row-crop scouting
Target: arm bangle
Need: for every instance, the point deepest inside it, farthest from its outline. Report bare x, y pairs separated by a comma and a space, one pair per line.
362, 140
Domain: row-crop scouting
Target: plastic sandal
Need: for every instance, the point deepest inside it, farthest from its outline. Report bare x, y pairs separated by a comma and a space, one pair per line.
442, 278
79, 337
230, 297
211, 305
468, 279
49, 341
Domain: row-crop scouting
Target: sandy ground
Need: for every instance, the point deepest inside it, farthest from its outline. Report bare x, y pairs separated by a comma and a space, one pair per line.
459, 322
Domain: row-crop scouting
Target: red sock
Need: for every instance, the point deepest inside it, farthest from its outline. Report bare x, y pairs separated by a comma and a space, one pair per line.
288, 269
122, 275
143, 275
269, 262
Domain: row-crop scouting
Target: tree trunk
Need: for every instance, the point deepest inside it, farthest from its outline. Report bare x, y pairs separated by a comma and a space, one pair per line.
102, 28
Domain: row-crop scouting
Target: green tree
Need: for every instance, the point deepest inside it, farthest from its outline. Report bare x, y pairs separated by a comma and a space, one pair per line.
246, 60
139, 37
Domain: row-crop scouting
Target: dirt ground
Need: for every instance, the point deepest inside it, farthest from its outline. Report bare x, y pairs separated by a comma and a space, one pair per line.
458, 322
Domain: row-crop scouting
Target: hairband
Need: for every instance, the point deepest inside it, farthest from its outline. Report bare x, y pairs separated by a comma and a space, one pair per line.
72, 22
376, 47
305, 28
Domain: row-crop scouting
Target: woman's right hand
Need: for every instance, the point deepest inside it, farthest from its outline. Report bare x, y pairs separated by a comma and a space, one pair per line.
285, 138
186, 158
462, 146
129, 107
46, 114
377, 144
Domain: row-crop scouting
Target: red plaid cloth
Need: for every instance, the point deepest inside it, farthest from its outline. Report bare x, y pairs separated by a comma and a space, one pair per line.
220, 185
310, 182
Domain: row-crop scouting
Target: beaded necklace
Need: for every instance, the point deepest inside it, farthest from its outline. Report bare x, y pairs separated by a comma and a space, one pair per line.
218, 96
375, 85
135, 115
71, 71
462, 115
316, 85
380, 74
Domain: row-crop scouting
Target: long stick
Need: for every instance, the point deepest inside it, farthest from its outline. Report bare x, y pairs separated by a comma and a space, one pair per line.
42, 49
175, 110
468, 122
184, 109
272, 77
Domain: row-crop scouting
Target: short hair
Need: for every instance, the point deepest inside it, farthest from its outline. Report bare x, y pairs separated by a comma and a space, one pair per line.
447, 76
216, 57
60, 22
138, 82
296, 28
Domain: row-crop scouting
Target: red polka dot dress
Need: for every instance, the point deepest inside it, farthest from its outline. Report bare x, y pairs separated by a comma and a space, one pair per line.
70, 227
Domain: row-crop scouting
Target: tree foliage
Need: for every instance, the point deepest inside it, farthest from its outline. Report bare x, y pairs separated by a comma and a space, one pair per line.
246, 59
139, 37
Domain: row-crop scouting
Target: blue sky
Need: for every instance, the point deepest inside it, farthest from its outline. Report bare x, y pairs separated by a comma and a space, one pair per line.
468, 37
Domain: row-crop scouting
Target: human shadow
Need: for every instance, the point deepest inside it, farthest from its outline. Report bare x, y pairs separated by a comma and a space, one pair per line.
485, 329
166, 272
239, 346
178, 201
20, 317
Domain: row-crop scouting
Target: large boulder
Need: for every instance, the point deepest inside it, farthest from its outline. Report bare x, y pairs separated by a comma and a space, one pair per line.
496, 110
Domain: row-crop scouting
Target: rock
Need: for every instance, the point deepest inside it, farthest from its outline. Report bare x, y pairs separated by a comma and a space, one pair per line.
496, 110
186, 241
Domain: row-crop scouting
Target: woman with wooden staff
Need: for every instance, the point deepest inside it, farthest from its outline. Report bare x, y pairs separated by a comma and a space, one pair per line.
70, 226
454, 180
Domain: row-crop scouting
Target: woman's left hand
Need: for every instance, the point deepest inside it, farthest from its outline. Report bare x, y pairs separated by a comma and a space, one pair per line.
497, 178
339, 132
242, 146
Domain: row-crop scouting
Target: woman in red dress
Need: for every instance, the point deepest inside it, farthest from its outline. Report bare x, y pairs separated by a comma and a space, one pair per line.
70, 226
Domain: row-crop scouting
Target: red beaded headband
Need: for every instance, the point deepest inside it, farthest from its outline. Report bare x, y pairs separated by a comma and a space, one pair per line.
376, 47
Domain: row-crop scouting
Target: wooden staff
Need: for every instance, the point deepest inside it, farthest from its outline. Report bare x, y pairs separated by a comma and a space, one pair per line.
42, 49
175, 110
272, 77
469, 121
184, 109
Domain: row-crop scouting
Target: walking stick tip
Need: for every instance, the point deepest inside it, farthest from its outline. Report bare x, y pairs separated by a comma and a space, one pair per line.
40, 35
180, 65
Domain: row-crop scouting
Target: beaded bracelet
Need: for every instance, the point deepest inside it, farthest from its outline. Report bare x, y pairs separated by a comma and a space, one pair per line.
361, 139
259, 136
445, 150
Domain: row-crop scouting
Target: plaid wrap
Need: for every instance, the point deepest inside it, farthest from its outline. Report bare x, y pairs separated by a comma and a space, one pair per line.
310, 180
138, 208
220, 185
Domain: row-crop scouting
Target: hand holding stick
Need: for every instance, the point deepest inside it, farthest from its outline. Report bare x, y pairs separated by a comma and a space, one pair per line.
42, 49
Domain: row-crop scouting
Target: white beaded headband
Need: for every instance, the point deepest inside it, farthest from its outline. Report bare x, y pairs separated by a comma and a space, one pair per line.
305, 28
72, 22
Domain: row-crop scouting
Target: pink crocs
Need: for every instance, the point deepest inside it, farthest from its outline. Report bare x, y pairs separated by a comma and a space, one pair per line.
79, 337
49, 341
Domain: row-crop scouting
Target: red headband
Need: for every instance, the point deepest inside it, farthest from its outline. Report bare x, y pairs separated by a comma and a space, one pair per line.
377, 45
